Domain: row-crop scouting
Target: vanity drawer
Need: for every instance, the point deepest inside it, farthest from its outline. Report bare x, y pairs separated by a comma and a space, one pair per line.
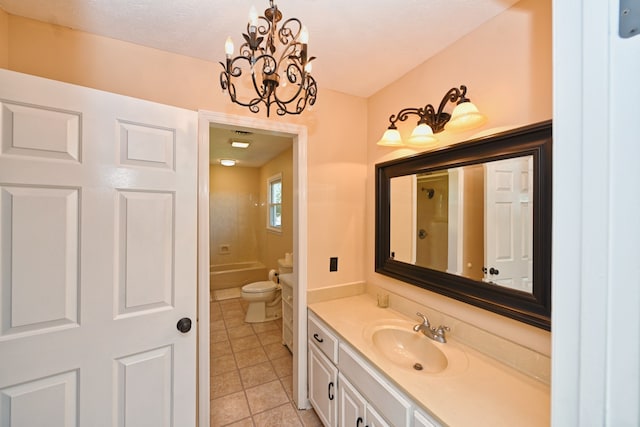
287, 293
322, 337
388, 401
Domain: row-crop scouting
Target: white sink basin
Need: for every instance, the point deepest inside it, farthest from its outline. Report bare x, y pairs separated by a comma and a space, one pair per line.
396, 342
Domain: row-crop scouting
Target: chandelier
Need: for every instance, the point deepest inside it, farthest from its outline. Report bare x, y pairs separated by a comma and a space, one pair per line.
272, 65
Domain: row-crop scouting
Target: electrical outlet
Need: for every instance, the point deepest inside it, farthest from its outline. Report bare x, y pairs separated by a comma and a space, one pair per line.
333, 263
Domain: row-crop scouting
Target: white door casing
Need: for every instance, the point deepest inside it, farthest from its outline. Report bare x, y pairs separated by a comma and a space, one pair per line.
97, 257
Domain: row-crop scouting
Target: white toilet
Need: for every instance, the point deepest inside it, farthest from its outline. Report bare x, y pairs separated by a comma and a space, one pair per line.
265, 297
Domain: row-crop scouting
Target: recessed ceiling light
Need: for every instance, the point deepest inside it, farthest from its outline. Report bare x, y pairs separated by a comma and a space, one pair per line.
240, 144
227, 162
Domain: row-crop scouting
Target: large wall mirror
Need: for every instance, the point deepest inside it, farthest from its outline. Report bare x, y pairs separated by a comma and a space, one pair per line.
473, 222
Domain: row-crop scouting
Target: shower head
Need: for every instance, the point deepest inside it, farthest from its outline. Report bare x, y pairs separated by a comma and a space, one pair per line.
430, 192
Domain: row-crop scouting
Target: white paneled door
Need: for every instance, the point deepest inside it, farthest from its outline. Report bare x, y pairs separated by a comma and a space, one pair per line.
97, 258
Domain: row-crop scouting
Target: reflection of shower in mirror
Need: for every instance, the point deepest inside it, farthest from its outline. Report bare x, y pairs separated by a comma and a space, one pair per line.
430, 192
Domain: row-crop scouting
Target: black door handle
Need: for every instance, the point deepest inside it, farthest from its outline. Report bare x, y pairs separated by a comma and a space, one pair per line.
317, 338
494, 271
184, 325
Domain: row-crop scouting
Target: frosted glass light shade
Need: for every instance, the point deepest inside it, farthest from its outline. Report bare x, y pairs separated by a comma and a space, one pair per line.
391, 138
227, 162
465, 116
422, 136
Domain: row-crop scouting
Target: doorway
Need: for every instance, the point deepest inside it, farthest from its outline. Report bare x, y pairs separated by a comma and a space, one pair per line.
298, 136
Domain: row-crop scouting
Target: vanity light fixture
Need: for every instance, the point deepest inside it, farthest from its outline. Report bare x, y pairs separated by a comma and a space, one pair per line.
464, 116
227, 162
274, 62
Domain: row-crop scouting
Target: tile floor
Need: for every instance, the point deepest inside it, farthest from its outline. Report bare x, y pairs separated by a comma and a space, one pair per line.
251, 372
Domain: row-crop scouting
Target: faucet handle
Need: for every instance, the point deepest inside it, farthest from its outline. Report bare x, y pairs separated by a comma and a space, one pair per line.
425, 321
441, 330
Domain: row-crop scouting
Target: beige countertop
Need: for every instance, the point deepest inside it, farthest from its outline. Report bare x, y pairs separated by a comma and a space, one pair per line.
474, 390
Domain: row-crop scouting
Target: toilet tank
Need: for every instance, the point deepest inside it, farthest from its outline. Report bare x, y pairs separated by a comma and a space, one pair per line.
285, 266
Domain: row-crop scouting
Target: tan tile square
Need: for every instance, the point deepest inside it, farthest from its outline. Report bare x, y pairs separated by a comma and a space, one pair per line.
226, 383
228, 409
223, 364
217, 336
217, 325
247, 422
244, 343
266, 396
221, 348
215, 315
271, 337
283, 366
250, 357
281, 416
264, 327
309, 418
231, 304
234, 322
276, 350
287, 384
214, 309
244, 330
257, 374
232, 314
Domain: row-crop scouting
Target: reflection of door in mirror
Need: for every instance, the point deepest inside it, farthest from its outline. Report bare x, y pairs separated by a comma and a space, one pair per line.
432, 194
473, 222
402, 219
509, 223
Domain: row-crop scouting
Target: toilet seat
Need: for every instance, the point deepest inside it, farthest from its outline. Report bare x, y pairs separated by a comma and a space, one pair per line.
259, 287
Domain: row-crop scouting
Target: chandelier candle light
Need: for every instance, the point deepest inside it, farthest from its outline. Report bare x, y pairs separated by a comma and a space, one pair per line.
463, 117
275, 62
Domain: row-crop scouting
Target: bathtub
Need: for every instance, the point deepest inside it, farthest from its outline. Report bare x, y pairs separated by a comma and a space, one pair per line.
236, 275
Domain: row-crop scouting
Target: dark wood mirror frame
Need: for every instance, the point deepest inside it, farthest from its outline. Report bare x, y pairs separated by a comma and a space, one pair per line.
534, 140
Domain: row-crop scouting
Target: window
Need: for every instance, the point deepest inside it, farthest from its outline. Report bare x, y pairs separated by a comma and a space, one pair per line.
274, 197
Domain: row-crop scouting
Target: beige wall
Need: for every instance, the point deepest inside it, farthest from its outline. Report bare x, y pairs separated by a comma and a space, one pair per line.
277, 244
4, 39
336, 153
506, 64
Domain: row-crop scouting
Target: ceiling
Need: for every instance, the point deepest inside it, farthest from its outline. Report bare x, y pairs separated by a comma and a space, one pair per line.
263, 148
361, 45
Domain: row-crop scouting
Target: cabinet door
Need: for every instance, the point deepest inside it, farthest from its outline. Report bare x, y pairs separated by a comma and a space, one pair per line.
374, 419
323, 376
351, 405
423, 420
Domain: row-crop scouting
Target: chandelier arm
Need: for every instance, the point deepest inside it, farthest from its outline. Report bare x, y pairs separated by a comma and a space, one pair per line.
309, 98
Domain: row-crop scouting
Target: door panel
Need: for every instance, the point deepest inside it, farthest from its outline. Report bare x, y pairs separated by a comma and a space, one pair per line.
98, 257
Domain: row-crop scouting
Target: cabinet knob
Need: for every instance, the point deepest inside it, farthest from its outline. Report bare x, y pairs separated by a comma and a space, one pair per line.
317, 338
330, 393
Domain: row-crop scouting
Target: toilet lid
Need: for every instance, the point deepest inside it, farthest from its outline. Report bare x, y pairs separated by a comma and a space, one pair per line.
256, 287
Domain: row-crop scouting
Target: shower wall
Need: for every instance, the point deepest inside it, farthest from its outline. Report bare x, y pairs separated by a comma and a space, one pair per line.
238, 213
234, 213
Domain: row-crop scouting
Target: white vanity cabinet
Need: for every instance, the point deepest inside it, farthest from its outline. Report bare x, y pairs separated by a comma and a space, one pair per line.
323, 379
323, 373
420, 419
347, 391
287, 311
354, 410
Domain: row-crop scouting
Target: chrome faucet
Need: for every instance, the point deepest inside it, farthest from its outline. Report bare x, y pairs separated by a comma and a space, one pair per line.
436, 334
